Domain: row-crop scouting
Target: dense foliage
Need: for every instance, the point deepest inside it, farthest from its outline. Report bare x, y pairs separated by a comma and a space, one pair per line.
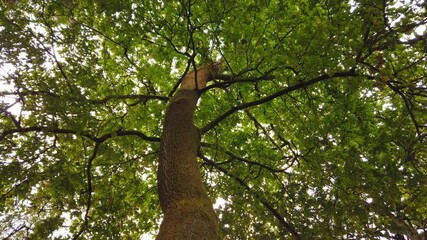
315, 128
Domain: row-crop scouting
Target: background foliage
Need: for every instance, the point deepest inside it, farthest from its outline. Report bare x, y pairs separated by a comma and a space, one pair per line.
316, 127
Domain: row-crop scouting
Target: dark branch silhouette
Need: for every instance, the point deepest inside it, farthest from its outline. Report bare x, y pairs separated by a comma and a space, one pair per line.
282, 92
89, 190
101, 139
291, 229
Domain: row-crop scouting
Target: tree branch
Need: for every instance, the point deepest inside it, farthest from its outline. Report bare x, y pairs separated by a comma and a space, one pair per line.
43, 129
128, 133
187, 68
101, 139
408, 108
123, 97
235, 157
266, 204
409, 230
230, 79
27, 92
141, 97
282, 92
11, 116
89, 190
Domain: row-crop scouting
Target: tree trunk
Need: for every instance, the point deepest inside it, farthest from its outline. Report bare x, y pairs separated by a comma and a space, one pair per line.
187, 209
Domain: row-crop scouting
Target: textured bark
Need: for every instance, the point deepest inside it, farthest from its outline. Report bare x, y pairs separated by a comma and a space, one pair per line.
187, 209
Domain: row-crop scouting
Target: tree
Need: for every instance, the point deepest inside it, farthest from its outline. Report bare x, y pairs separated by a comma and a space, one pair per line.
314, 128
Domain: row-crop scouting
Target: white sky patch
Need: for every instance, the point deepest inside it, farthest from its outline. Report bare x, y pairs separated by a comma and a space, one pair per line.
147, 236
63, 231
387, 106
174, 70
365, 93
353, 5
220, 203
152, 61
311, 191
363, 158
10, 100
420, 29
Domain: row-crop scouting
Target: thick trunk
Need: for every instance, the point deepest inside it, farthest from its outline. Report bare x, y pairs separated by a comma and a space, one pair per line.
188, 212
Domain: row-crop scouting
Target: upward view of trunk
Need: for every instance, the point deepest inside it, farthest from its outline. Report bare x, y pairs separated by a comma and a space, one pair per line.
187, 210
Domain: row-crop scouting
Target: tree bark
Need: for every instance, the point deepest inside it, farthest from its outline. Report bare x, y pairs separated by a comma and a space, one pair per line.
187, 209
